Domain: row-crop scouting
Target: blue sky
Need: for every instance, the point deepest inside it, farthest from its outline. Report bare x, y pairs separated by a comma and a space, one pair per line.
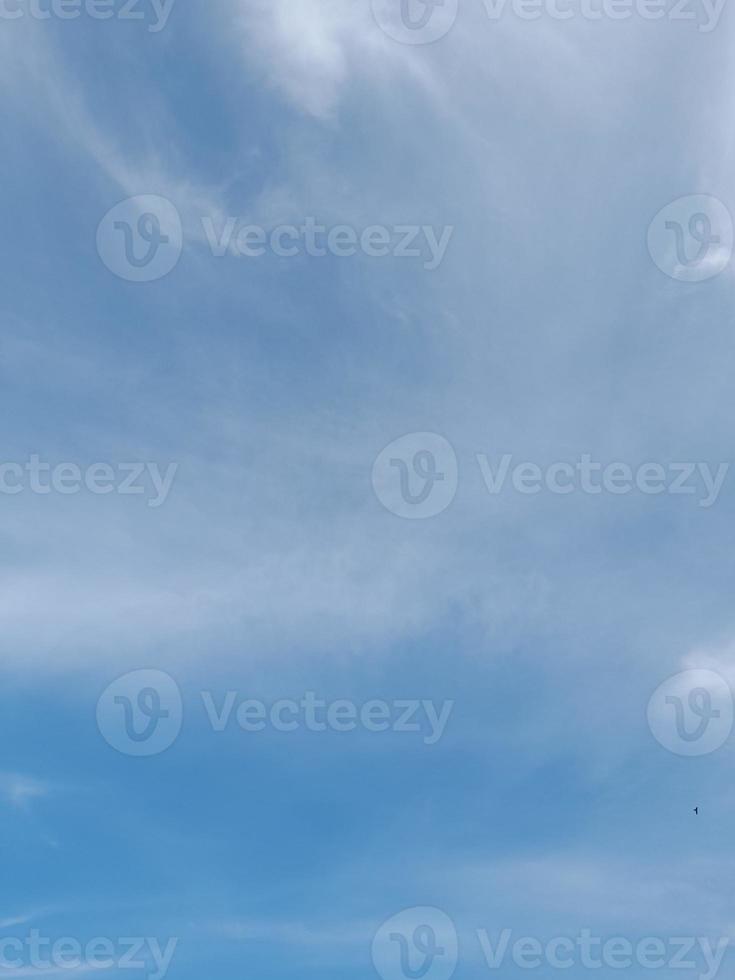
273, 568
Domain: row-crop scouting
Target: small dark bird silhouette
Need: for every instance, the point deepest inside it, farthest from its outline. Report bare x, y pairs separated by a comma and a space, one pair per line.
696, 809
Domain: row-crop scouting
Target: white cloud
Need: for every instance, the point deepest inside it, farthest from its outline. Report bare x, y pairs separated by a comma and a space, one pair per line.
19, 790
304, 46
18, 920
312, 51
